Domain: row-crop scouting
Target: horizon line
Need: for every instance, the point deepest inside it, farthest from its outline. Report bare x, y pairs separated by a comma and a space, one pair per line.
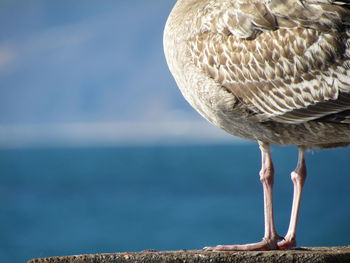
130, 133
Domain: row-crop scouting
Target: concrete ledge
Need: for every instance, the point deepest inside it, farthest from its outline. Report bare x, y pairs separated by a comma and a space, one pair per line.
298, 255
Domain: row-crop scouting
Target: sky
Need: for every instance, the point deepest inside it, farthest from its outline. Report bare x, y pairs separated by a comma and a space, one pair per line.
90, 72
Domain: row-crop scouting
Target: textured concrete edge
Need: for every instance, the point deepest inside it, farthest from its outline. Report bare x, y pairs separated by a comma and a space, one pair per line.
310, 255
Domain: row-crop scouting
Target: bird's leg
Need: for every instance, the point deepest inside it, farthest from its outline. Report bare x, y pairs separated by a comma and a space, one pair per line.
267, 180
271, 238
298, 177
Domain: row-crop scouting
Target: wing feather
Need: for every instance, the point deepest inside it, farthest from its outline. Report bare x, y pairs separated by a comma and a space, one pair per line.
285, 60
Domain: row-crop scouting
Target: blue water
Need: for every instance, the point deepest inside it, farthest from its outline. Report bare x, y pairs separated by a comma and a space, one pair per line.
94, 200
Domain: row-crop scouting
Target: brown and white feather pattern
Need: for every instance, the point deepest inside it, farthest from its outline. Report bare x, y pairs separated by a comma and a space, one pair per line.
286, 61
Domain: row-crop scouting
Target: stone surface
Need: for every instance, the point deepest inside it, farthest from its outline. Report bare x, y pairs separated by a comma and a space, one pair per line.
298, 255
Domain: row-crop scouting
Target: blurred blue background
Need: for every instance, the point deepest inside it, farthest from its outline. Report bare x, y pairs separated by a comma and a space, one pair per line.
99, 152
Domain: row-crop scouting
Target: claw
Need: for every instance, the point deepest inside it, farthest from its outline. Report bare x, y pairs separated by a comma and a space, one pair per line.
259, 246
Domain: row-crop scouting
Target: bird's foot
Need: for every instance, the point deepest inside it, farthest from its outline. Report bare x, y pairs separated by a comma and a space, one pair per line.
287, 243
264, 245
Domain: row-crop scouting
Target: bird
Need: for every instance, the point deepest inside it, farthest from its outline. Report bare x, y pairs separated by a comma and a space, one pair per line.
272, 71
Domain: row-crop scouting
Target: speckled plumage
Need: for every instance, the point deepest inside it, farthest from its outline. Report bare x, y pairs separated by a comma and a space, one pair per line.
276, 71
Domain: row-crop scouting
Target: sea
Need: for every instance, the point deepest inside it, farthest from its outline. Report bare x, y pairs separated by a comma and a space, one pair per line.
67, 201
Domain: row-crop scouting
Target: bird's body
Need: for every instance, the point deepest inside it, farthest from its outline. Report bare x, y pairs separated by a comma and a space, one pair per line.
260, 75
273, 71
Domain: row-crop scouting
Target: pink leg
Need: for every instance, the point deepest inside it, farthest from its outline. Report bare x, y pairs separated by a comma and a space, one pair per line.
270, 239
298, 177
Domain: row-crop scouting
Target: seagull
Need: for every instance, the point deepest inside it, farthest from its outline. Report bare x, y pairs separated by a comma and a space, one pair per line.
272, 71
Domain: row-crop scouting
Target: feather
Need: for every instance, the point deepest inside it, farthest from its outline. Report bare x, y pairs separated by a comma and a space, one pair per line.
287, 73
